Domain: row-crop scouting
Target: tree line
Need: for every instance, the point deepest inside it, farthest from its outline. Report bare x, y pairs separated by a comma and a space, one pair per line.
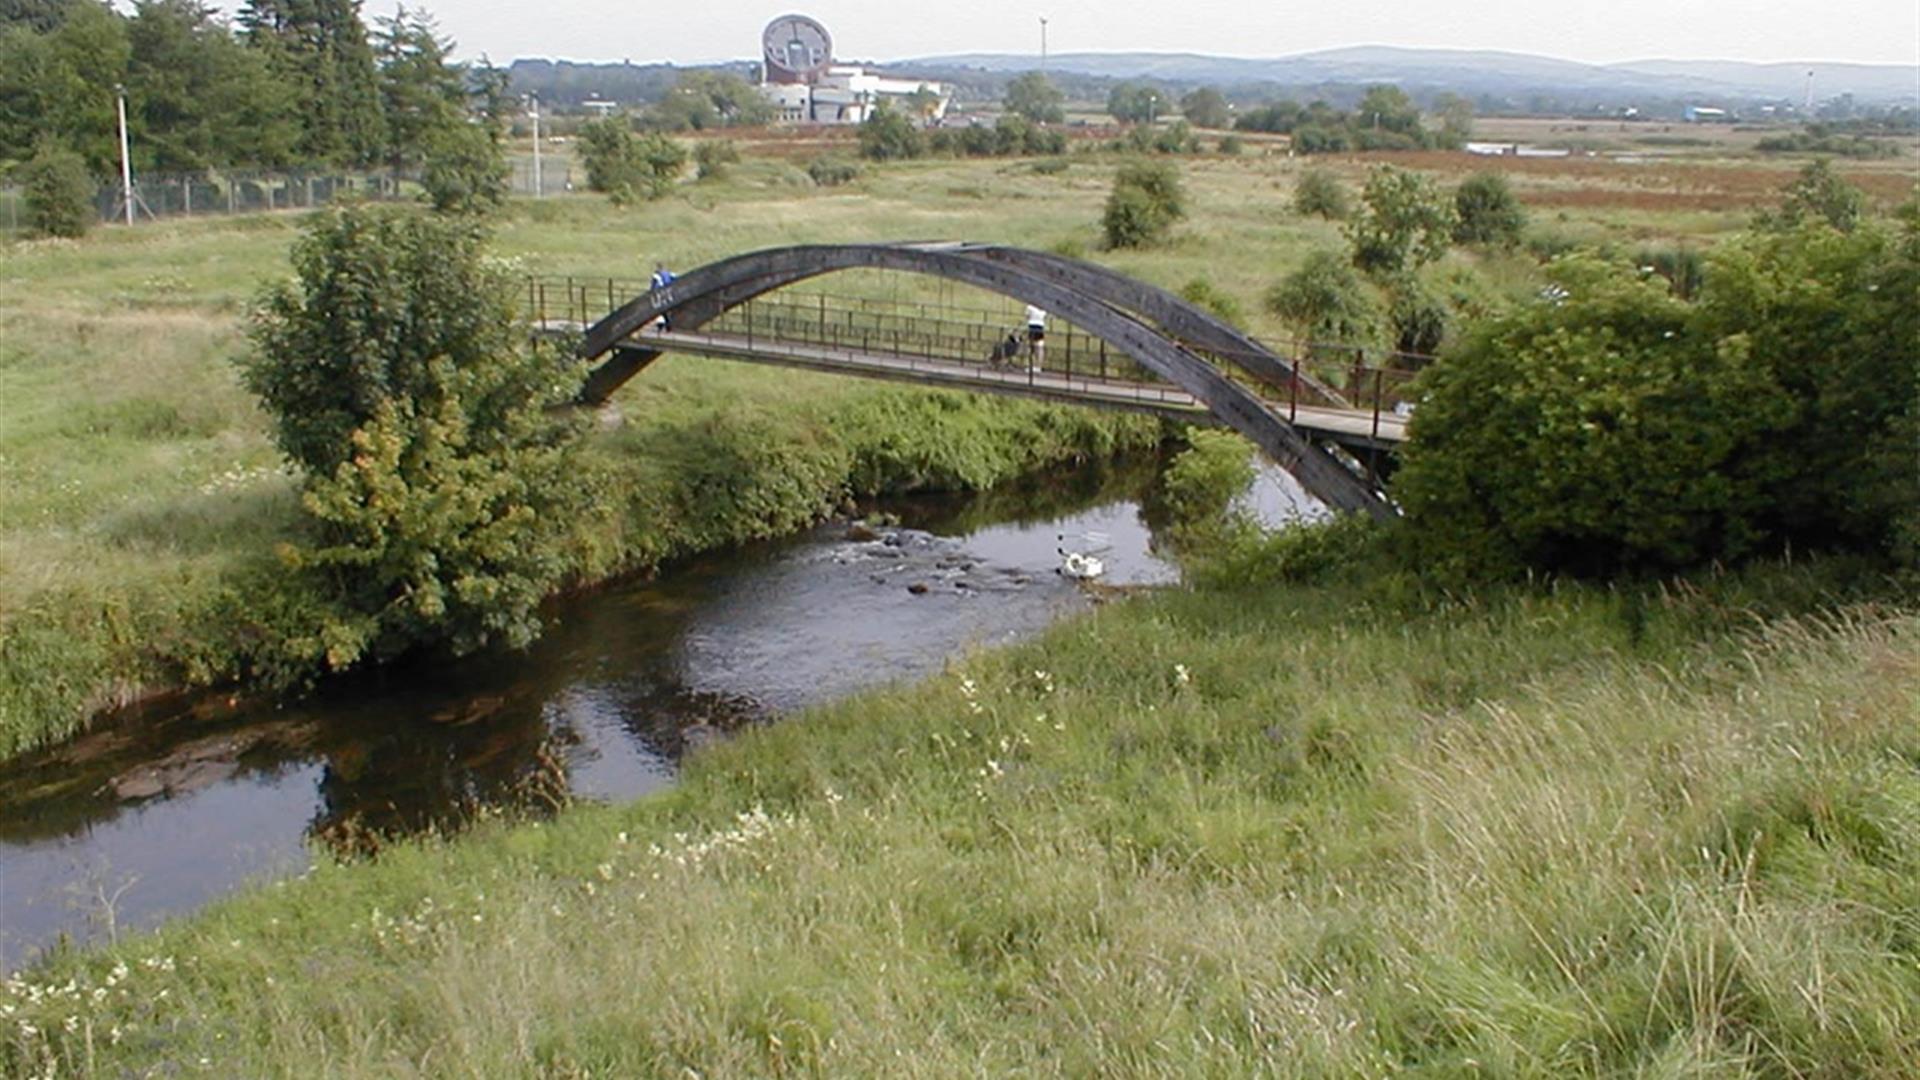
286, 84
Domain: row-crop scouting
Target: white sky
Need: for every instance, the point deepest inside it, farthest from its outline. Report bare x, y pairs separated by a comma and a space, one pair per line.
695, 31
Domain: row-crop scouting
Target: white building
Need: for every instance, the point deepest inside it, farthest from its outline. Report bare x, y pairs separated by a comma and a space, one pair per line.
799, 76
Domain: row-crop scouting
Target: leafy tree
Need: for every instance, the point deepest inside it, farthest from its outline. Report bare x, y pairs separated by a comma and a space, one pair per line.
626, 166
1327, 302
1485, 212
200, 99
1206, 108
1456, 118
466, 171
1146, 200
702, 100
58, 191
1388, 108
1590, 433
1175, 138
438, 475
1137, 103
321, 47
39, 16
923, 104
1278, 118
888, 135
61, 83
1033, 95
1318, 193
1832, 318
1402, 224
1818, 194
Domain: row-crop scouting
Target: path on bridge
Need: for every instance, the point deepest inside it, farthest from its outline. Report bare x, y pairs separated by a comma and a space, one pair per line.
1369, 429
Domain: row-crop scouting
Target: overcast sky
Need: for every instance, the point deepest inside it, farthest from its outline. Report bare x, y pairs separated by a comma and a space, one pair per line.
696, 31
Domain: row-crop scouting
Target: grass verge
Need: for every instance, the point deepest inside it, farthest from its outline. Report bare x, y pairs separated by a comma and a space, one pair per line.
1287, 829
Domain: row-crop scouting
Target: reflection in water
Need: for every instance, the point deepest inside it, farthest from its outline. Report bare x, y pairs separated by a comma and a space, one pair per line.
182, 801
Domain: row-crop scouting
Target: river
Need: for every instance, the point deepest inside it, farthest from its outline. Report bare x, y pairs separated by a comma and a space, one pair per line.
159, 811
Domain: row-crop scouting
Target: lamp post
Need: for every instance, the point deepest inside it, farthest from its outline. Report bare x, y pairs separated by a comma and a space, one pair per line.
1043, 43
533, 109
126, 162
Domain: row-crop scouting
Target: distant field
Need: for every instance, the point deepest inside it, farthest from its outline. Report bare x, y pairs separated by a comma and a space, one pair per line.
140, 474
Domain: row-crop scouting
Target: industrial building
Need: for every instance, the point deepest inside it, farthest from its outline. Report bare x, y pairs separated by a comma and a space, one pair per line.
799, 76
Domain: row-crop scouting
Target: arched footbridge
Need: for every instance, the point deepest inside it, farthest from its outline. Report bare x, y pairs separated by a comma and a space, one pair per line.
1112, 342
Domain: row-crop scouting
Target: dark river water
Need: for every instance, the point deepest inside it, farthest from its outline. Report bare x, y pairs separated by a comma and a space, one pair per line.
157, 812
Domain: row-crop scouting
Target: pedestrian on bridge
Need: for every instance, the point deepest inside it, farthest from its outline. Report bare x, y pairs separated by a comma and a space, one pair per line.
662, 277
1036, 338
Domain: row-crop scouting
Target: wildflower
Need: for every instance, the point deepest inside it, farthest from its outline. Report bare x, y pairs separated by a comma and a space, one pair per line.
1181, 676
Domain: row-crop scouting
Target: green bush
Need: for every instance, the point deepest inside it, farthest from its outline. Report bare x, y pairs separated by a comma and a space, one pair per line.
1199, 487
440, 481
1232, 145
890, 135
1591, 432
1402, 224
832, 171
1818, 194
58, 192
1318, 194
626, 166
1204, 293
1485, 212
1685, 269
1327, 302
711, 157
1418, 316
1147, 199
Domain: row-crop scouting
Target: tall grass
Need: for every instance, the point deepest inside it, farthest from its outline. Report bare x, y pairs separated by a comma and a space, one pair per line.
1293, 830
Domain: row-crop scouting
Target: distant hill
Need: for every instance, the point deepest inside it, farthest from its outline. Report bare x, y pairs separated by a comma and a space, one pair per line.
1501, 74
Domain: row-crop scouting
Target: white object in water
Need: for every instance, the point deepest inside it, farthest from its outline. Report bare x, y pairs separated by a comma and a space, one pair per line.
1081, 567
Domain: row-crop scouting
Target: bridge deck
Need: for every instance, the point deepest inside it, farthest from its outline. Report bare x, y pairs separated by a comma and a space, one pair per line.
1353, 427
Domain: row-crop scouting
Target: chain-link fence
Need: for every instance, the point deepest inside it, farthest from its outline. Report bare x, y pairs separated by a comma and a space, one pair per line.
168, 195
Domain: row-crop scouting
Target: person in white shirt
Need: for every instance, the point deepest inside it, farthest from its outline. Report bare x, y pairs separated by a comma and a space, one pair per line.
1036, 338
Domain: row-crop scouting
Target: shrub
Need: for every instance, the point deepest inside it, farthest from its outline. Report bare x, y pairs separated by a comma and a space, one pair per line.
1199, 487
626, 166
1203, 292
1485, 212
1402, 223
1326, 301
1318, 194
58, 192
832, 171
438, 477
1147, 199
1590, 433
711, 157
1818, 194
1232, 145
1684, 269
889, 135
1419, 318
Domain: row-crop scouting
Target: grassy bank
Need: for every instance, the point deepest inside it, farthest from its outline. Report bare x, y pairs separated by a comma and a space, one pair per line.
1296, 830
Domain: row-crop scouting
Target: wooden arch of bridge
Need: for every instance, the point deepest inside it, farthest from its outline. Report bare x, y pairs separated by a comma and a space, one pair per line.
1157, 329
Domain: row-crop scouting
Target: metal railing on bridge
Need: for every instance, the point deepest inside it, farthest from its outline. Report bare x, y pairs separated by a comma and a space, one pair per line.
938, 337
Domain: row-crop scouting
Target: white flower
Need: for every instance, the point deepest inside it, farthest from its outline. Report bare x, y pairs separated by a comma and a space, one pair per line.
1181, 676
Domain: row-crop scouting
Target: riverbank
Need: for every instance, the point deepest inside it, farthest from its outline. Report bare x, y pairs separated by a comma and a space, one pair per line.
1302, 828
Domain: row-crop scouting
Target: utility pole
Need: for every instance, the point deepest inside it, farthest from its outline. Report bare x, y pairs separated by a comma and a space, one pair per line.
1043, 43
126, 162
539, 189
1809, 105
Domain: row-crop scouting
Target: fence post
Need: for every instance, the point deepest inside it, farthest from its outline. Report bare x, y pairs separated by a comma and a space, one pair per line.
1377, 376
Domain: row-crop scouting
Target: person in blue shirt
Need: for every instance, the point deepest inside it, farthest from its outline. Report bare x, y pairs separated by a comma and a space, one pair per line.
662, 277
